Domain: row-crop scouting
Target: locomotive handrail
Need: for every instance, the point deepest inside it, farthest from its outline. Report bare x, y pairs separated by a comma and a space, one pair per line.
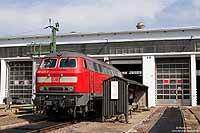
53, 93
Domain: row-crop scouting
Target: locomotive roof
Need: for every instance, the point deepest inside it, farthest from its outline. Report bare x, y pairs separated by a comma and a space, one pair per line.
68, 53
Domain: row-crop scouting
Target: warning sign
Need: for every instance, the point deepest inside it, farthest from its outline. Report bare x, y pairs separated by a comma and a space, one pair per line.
114, 90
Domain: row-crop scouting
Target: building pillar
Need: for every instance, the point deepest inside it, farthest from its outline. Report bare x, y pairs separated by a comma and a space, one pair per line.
149, 78
193, 81
34, 69
4, 82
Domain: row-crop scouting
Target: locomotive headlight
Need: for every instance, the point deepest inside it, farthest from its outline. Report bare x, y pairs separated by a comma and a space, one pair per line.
43, 88
69, 88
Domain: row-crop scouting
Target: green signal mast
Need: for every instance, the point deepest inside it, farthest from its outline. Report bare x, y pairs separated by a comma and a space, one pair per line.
37, 49
54, 29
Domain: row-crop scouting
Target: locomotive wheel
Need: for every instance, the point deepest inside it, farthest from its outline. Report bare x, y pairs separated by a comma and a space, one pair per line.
85, 111
74, 112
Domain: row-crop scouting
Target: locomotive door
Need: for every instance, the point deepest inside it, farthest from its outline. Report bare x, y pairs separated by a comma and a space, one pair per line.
91, 81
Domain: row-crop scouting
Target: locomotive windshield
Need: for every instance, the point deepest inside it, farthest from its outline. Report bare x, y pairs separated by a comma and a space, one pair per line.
68, 63
49, 63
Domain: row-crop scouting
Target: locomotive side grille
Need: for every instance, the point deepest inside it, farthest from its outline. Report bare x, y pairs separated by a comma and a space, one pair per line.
55, 88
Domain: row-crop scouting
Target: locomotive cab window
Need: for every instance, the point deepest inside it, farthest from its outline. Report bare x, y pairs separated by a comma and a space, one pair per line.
90, 65
67, 63
85, 64
49, 63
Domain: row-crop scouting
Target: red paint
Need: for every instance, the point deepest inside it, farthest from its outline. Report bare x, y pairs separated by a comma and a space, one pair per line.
89, 81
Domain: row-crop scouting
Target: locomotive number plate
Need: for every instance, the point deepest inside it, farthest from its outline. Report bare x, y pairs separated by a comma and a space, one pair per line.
55, 79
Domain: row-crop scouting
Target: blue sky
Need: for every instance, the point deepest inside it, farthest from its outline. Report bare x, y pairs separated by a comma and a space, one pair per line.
27, 17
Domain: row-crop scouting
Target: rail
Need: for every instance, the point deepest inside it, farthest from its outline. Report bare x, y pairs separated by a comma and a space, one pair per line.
190, 119
51, 128
197, 117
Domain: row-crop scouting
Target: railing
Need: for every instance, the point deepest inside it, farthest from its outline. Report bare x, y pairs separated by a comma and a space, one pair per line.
37, 49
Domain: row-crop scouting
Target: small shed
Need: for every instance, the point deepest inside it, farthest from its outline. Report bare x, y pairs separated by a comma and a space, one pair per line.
119, 93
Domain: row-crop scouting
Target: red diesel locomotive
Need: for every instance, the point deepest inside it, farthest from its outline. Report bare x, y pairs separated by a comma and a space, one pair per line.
71, 83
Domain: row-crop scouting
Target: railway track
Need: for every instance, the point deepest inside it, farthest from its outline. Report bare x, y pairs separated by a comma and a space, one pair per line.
191, 120
38, 127
51, 128
196, 116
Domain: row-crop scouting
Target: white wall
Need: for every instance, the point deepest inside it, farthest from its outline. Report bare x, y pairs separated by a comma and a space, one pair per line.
3, 86
149, 78
193, 81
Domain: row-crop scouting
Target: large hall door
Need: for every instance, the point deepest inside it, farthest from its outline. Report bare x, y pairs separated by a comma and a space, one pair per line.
20, 81
173, 81
179, 96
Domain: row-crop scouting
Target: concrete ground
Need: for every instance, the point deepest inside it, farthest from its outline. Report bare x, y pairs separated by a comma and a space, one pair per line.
169, 121
146, 118
10, 119
138, 122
